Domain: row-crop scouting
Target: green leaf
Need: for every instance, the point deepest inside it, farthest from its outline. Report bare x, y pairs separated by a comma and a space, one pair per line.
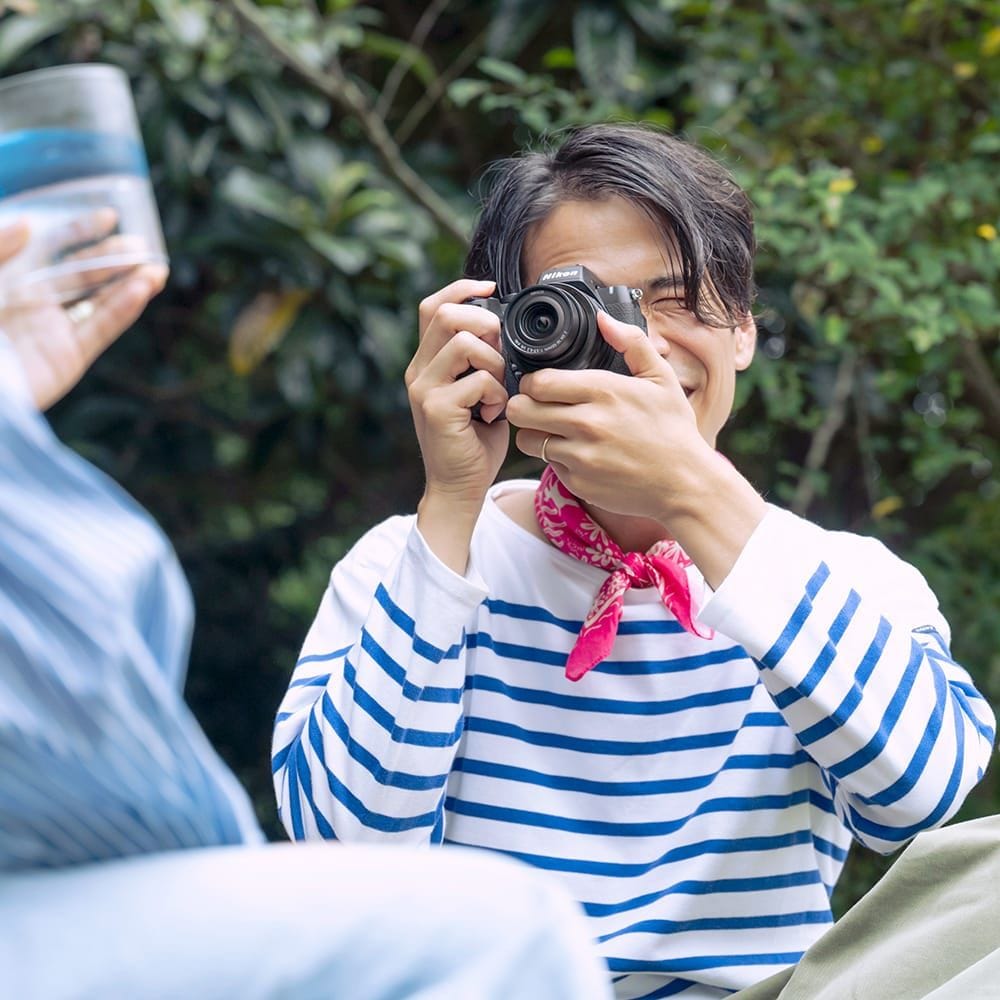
834, 329
605, 50
267, 197
188, 22
465, 91
986, 142
346, 253
18, 34
561, 57
655, 19
514, 24
396, 49
890, 294
315, 161
202, 100
504, 71
248, 125
385, 339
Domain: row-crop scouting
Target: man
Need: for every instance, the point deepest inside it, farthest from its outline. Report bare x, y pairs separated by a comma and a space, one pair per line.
131, 864
753, 691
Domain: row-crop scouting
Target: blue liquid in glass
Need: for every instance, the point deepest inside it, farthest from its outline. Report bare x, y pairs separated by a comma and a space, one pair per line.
34, 158
89, 207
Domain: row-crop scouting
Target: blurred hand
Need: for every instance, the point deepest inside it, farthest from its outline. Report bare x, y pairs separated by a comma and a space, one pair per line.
56, 344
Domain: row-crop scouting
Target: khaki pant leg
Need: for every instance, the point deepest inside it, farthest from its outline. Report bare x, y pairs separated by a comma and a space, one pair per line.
929, 930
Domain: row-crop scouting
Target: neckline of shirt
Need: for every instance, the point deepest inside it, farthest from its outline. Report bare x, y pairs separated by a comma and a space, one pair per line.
560, 561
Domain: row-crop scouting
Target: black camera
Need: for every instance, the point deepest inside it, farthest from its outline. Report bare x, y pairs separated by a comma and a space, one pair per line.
553, 324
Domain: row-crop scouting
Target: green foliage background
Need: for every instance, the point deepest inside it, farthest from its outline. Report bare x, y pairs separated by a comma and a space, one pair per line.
313, 164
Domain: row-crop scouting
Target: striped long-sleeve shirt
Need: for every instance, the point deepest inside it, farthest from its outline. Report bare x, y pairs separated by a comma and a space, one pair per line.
697, 796
99, 756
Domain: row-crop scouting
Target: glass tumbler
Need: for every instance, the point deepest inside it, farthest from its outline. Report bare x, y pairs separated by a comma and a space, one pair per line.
72, 166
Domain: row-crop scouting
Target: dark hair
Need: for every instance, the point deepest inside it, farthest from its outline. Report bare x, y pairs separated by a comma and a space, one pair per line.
691, 198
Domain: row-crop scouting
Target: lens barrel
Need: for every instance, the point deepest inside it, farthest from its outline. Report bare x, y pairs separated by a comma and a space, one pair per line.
554, 326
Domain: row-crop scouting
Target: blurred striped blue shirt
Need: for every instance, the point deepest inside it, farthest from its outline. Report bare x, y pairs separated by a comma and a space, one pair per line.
99, 756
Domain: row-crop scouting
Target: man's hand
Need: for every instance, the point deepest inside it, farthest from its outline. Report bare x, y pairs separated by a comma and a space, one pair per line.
626, 445
631, 446
54, 350
461, 456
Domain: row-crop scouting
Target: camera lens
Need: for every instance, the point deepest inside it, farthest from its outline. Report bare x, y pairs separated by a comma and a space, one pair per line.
539, 321
552, 326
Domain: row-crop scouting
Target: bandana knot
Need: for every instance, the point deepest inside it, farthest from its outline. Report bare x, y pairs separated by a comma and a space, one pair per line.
570, 529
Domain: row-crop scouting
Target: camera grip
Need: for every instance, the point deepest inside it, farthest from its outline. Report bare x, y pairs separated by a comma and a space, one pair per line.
626, 313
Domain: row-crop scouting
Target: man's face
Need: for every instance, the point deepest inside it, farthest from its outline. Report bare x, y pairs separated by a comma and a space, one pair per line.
622, 246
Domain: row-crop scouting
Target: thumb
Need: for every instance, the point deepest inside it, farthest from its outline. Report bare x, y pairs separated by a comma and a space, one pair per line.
632, 343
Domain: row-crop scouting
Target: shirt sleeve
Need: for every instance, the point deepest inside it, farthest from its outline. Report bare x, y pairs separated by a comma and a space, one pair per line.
368, 731
99, 756
856, 655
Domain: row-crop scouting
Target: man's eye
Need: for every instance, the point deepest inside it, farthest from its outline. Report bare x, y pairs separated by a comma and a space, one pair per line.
674, 304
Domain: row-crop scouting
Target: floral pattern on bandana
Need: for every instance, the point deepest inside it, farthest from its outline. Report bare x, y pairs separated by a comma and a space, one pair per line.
572, 530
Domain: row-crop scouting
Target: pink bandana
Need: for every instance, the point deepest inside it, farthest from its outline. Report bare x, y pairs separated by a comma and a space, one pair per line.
571, 529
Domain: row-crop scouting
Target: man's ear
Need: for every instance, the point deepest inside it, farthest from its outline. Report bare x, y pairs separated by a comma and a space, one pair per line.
745, 343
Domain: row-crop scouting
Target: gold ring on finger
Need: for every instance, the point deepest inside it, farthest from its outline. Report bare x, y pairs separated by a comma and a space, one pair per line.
80, 311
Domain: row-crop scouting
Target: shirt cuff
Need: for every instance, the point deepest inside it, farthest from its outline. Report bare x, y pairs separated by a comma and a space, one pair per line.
452, 597
753, 604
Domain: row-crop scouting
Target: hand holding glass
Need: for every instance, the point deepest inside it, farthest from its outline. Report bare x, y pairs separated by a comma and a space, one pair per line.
73, 168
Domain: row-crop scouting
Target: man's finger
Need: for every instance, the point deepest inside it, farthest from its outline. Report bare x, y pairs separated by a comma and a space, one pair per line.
562, 385
478, 387
457, 291
464, 351
637, 349
455, 321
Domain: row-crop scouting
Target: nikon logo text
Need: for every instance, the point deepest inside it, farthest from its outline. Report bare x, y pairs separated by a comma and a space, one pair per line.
553, 275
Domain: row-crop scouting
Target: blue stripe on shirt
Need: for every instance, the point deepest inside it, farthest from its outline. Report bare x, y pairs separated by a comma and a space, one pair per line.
322, 657
305, 782
613, 706
652, 828
826, 655
757, 921
529, 612
897, 703
392, 779
798, 618
900, 834
918, 762
685, 852
621, 748
663, 786
384, 718
367, 817
852, 699
782, 958
398, 673
710, 887
404, 622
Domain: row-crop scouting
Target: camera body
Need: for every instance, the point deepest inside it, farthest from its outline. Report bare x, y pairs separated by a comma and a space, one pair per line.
553, 323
